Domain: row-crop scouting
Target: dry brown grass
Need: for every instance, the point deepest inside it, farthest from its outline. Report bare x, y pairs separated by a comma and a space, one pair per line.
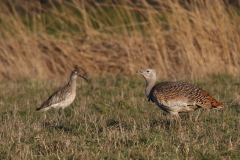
197, 39
112, 119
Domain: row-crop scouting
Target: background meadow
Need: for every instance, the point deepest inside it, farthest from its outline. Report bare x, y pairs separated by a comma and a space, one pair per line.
44, 39
41, 42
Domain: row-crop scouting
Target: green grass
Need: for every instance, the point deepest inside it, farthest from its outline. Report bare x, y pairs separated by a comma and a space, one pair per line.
111, 119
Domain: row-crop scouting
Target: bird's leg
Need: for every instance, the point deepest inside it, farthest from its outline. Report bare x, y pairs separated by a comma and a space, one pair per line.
45, 117
189, 116
63, 113
59, 114
176, 119
179, 121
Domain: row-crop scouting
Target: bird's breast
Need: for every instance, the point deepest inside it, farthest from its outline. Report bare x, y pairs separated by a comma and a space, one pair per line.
68, 100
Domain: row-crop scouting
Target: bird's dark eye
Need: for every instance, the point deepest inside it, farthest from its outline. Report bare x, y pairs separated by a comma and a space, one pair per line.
148, 71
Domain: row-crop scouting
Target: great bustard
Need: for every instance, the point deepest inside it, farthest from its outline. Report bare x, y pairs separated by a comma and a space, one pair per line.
63, 96
176, 97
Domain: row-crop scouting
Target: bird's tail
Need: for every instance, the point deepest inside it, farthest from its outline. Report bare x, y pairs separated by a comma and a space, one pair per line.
39, 109
215, 104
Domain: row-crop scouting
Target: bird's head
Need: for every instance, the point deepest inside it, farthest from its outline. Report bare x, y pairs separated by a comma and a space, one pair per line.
75, 74
148, 73
150, 76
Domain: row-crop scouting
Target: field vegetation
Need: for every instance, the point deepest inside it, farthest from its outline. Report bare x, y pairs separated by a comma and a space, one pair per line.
111, 119
41, 42
195, 38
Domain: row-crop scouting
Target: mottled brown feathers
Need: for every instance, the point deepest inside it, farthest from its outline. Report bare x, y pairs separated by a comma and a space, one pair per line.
64, 96
183, 91
56, 97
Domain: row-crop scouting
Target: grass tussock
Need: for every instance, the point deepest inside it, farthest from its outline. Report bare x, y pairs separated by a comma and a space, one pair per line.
197, 38
111, 119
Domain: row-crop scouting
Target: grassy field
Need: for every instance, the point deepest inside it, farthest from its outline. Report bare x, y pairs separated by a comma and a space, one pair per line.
197, 38
108, 42
111, 119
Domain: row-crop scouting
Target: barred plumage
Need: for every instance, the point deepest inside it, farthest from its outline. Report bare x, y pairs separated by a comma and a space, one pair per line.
63, 96
176, 97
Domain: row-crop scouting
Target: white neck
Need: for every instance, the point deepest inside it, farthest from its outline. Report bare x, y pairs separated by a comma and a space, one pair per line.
150, 83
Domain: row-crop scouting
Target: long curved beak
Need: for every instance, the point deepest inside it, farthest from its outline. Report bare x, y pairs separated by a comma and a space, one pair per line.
82, 77
140, 71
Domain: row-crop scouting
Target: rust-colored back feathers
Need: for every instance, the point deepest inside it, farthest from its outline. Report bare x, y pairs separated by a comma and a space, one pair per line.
185, 92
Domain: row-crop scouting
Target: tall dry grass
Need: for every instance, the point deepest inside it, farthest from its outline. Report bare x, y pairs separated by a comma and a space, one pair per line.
197, 38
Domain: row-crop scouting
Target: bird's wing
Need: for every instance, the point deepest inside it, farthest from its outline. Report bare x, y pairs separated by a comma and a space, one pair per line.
57, 97
180, 93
